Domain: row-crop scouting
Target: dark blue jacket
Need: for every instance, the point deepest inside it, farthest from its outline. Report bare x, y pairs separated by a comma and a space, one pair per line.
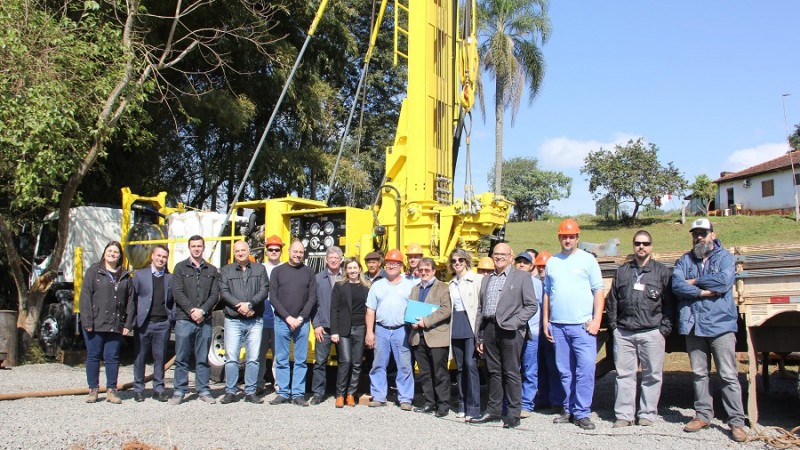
143, 286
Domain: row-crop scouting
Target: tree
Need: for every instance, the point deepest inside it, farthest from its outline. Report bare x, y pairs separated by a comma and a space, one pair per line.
75, 76
704, 189
606, 206
794, 138
512, 32
633, 174
531, 188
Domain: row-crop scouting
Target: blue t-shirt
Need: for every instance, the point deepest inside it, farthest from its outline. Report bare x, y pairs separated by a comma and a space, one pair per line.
533, 322
389, 301
571, 282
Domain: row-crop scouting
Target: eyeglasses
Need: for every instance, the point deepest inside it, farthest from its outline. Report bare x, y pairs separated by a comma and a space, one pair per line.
392, 265
273, 250
458, 260
424, 270
640, 244
701, 233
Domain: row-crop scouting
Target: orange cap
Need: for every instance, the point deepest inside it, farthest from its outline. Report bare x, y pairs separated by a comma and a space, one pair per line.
486, 263
274, 240
568, 226
542, 258
394, 255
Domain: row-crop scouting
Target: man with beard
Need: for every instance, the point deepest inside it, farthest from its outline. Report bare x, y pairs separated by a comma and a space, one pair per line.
703, 283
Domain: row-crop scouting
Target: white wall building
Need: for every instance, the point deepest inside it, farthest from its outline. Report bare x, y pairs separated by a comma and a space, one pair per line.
768, 187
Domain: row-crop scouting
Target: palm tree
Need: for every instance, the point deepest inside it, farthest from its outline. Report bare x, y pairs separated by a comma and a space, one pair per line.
511, 32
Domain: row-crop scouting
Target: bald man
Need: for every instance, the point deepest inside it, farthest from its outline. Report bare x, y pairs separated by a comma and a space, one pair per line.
507, 302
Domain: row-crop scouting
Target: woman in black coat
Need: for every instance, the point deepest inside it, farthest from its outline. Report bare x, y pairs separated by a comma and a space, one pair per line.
107, 311
348, 328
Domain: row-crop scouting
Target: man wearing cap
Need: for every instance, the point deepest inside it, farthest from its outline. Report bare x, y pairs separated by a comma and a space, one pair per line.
507, 302
374, 271
530, 350
414, 256
274, 247
573, 309
388, 334
640, 313
703, 281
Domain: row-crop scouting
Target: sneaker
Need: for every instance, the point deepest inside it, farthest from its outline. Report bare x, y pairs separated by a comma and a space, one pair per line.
350, 400
585, 423
313, 400
406, 406
376, 404
279, 400
695, 425
92, 398
524, 414
622, 423
460, 415
176, 400
563, 418
208, 399
738, 433
339, 402
112, 397
299, 401
645, 422
253, 398
228, 398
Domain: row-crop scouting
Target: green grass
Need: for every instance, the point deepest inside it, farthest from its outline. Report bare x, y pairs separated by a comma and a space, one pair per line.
669, 235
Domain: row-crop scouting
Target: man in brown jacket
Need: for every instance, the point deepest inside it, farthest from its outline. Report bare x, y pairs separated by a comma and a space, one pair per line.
430, 338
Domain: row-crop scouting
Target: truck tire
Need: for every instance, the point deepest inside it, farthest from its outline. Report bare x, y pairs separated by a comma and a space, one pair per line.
216, 352
56, 328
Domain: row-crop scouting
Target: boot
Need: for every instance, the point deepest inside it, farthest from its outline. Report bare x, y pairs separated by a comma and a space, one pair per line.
92, 398
351, 401
111, 397
340, 401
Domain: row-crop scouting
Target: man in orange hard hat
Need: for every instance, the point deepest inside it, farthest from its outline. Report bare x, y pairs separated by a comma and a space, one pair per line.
274, 248
573, 308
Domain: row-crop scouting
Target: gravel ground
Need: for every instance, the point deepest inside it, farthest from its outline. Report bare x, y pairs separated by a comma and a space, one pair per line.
68, 422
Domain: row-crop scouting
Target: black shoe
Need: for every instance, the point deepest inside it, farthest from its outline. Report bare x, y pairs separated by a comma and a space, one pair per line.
228, 398
299, 401
585, 423
485, 418
511, 422
427, 409
279, 400
313, 400
138, 396
160, 396
563, 418
253, 398
441, 412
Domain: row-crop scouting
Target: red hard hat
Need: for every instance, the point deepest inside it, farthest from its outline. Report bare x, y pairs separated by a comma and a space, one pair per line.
394, 255
568, 226
274, 240
541, 260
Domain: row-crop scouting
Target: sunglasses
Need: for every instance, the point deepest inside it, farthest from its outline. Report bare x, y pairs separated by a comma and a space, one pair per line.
273, 250
425, 270
702, 233
458, 260
641, 243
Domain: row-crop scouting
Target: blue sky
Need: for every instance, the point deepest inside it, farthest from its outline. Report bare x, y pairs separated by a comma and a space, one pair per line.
702, 80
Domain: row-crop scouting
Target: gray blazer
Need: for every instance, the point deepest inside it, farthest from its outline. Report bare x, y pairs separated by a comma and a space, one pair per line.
143, 286
517, 303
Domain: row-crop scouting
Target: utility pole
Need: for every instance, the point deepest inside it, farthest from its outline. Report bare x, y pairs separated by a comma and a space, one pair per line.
791, 160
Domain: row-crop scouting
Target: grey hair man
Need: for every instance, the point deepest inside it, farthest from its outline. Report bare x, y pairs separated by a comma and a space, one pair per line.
322, 321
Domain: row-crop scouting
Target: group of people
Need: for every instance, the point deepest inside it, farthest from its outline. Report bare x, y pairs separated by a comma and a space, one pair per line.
533, 317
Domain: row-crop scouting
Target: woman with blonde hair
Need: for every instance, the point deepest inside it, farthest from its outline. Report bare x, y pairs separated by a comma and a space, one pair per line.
464, 293
348, 328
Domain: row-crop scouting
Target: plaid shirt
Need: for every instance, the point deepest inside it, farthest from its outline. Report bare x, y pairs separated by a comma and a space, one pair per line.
493, 291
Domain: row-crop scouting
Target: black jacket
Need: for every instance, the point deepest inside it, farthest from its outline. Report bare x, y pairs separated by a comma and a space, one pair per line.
342, 308
640, 310
106, 304
194, 288
236, 285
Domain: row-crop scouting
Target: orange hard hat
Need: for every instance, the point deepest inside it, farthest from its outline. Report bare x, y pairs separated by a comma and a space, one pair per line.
568, 226
486, 263
274, 240
394, 255
542, 258
413, 249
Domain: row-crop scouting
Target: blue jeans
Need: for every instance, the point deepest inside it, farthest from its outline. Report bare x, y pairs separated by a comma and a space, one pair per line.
392, 342
105, 344
284, 336
530, 372
576, 352
550, 391
469, 382
236, 330
192, 337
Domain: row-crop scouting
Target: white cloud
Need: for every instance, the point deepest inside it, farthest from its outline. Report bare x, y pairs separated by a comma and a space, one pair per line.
563, 152
747, 157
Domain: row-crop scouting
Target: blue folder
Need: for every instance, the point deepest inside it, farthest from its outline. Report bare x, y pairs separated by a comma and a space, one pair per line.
418, 309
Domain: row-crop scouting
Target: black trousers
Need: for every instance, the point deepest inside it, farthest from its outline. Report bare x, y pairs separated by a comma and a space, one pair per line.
150, 339
433, 375
351, 353
503, 349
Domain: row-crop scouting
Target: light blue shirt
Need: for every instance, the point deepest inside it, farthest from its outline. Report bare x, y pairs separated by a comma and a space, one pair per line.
533, 322
389, 301
571, 282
